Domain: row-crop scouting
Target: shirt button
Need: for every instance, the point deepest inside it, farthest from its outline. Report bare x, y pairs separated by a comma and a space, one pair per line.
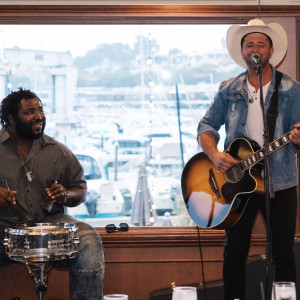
27, 191
30, 205
243, 124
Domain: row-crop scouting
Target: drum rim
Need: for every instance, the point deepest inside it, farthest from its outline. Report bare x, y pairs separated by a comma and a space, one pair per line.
41, 227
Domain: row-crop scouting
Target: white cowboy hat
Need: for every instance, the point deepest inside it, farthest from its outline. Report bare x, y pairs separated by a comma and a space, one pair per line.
275, 31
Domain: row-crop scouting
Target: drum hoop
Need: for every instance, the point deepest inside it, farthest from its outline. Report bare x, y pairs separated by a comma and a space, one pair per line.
41, 228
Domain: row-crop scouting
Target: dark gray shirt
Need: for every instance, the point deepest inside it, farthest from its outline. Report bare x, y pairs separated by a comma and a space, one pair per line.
48, 160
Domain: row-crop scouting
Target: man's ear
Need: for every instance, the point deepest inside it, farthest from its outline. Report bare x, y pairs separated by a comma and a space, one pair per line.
271, 52
11, 119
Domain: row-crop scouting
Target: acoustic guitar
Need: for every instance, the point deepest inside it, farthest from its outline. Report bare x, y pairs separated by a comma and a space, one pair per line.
217, 200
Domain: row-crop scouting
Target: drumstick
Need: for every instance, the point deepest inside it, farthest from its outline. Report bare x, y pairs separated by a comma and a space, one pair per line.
50, 201
18, 212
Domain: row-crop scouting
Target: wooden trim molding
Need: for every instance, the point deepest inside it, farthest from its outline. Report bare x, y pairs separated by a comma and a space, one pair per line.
138, 14
168, 236
161, 236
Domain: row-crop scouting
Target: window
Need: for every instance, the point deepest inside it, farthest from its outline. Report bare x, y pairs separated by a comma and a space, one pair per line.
90, 167
126, 99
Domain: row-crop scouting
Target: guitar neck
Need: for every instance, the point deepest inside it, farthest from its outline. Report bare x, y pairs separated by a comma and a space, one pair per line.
259, 155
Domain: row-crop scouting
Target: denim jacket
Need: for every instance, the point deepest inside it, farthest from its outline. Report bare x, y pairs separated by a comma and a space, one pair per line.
230, 107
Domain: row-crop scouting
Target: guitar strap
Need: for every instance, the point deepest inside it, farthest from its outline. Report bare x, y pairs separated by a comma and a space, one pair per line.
273, 109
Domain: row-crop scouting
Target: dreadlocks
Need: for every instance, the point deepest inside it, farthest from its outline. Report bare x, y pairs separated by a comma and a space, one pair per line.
11, 103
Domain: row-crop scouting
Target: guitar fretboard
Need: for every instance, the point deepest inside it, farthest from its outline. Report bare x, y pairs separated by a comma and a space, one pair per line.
259, 155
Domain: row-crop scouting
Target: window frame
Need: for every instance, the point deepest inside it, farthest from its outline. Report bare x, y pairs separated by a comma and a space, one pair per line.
148, 14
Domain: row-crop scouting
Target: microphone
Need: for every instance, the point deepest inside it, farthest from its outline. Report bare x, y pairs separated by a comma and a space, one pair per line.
255, 57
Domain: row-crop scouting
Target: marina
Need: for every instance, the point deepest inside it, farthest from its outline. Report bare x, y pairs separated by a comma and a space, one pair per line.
112, 162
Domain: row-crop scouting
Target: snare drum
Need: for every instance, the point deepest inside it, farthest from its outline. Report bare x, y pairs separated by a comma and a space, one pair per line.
42, 242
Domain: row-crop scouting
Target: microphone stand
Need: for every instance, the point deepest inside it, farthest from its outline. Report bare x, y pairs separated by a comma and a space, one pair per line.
269, 189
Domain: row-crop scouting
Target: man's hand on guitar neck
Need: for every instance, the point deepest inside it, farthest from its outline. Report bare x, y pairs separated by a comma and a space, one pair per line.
295, 135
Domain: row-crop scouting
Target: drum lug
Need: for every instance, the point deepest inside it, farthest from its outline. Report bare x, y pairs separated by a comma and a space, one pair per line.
76, 240
5, 242
26, 244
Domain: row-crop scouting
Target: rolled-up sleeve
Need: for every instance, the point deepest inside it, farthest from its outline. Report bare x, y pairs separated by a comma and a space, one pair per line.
214, 117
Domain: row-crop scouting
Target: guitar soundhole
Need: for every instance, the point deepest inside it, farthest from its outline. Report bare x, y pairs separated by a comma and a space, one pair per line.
234, 174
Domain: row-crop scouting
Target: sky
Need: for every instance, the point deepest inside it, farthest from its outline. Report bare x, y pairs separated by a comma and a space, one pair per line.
81, 38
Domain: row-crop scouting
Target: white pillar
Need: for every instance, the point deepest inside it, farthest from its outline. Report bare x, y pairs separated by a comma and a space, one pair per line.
63, 83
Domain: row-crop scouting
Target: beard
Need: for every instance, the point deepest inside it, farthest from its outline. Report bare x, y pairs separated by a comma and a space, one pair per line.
24, 130
264, 62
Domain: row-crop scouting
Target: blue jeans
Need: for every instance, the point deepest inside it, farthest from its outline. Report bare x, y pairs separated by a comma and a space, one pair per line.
283, 211
87, 268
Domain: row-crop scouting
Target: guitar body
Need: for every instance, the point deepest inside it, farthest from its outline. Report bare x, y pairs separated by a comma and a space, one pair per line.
213, 199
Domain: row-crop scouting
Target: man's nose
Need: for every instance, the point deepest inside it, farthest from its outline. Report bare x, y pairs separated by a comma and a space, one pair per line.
255, 49
38, 115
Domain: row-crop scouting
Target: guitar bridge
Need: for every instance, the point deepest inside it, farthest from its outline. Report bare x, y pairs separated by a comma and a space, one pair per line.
213, 183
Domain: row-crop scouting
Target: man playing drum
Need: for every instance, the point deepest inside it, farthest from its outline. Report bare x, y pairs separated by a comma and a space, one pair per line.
38, 170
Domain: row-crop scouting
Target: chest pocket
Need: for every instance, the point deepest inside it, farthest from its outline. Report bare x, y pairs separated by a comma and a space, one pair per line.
282, 97
235, 102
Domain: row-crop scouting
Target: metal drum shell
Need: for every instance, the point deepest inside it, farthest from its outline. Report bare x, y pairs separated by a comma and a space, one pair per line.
41, 242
